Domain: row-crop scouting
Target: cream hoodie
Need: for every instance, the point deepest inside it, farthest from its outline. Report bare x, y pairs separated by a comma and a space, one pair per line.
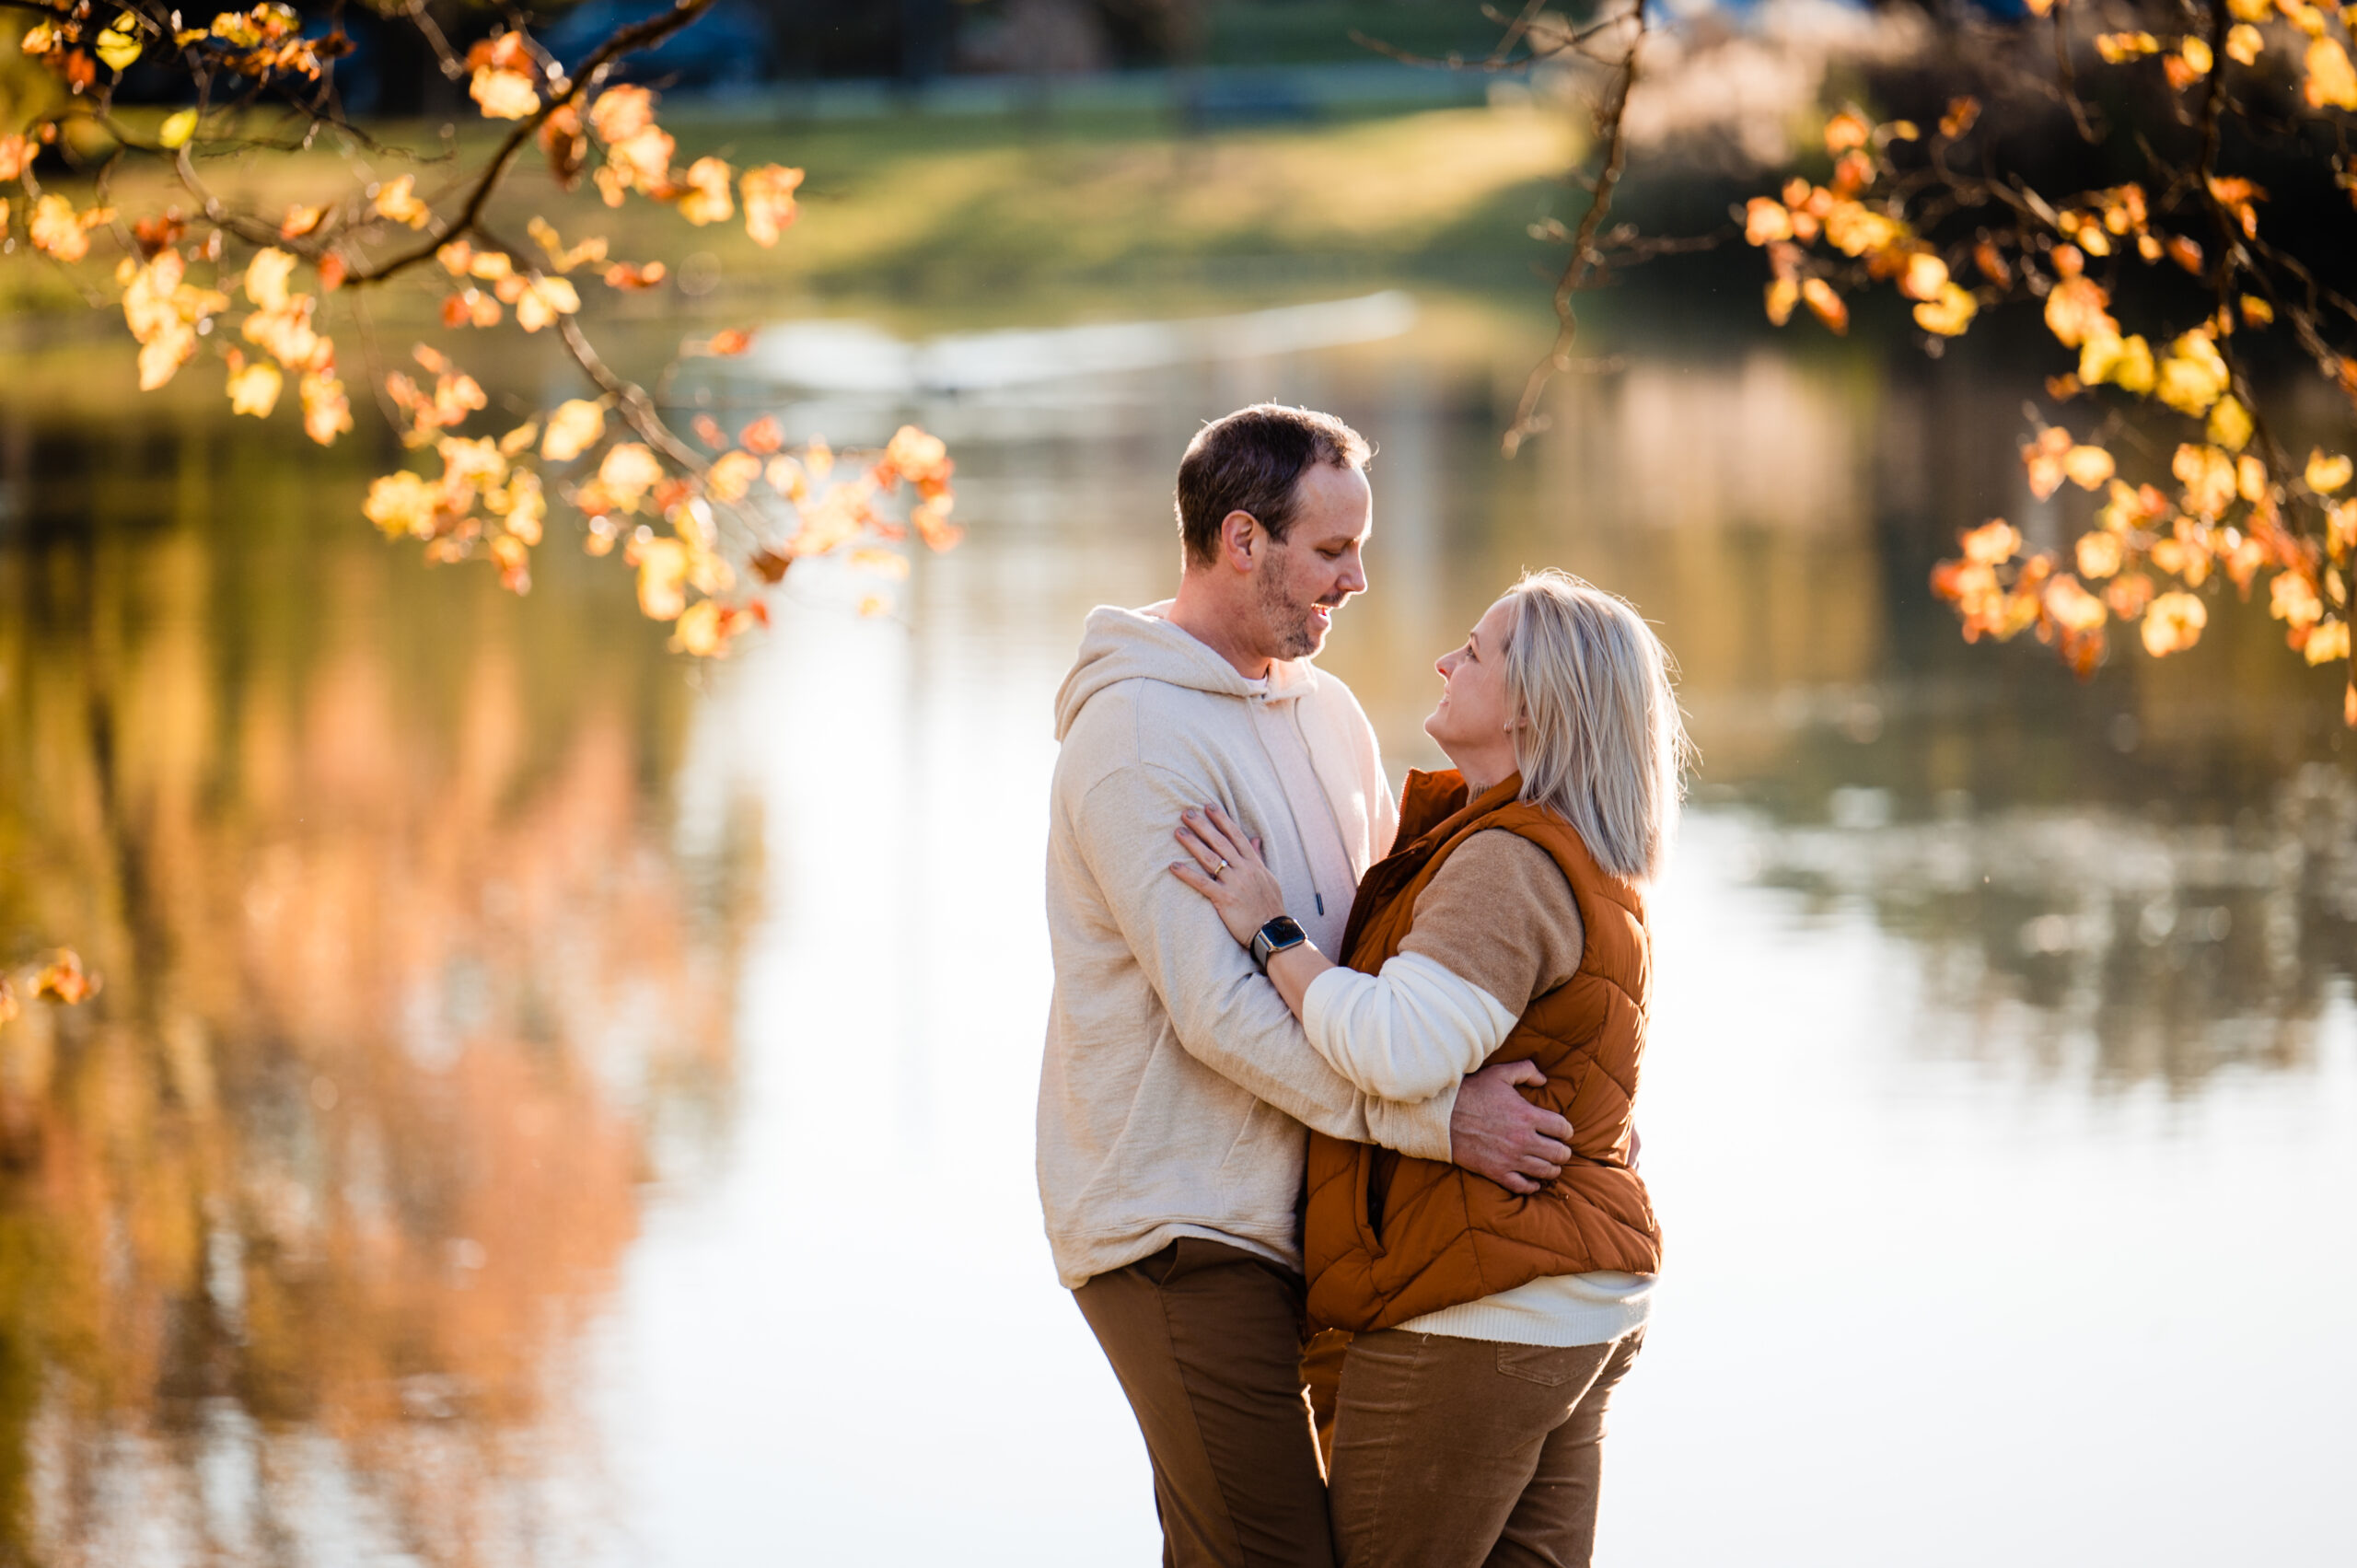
1177, 1085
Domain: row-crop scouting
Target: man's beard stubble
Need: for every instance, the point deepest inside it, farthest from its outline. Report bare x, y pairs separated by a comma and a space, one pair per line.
1286, 615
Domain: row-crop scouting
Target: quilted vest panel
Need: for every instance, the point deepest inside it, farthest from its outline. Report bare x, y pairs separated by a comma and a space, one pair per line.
1387, 1236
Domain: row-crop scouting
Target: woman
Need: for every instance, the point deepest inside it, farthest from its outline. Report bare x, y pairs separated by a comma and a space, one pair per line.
1507, 925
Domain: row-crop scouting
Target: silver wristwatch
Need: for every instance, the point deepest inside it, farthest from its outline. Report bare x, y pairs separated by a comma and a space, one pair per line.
1274, 937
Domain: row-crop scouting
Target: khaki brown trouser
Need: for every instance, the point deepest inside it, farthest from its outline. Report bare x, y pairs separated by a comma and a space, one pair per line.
1469, 1453
1206, 1341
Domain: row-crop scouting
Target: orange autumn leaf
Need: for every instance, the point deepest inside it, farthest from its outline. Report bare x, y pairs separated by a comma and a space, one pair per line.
2173, 623
396, 200
63, 979
723, 345
628, 275
763, 436
1993, 543
1825, 305
1846, 131
769, 201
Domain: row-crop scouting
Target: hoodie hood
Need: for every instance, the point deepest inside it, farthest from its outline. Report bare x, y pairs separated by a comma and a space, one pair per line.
1142, 644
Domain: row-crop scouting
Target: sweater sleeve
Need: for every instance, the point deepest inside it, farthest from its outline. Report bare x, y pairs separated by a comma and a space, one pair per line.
1224, 1012
1497, 927
1405, 1034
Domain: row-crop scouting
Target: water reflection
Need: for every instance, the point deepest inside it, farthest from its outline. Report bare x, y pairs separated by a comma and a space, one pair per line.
446, 934
301, 1220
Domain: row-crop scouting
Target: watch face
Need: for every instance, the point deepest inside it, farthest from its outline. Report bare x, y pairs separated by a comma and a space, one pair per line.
1284, 932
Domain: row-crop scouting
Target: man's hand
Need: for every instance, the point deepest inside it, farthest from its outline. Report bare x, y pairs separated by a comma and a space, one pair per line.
1497, 1133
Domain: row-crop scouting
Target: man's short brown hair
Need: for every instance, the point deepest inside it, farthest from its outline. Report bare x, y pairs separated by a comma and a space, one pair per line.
1253, 461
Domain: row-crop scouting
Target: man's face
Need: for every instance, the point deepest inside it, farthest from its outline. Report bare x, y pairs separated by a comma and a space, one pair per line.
1304, 580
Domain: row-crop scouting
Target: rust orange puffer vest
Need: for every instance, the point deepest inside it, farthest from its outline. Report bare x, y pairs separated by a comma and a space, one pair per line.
1387, 1236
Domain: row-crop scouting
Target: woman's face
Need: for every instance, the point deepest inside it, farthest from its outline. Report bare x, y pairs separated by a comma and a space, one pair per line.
1471, 721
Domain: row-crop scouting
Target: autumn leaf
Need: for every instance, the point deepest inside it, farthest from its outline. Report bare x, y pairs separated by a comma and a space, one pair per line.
1825, 305
327, 413
1993, 543
769, 201
2129, 594
2230, 425
2099, 554
2328, 640
2243, 44
1950, 313
707, 200
2174, 623
253, 389
543, 300
402, 505
662, 575
2208, 475
120, 45
1846, 131
2331, 80
2074, 311
1961, 114
2126, 363
2087, 467
545, 236
627, 276
63, 979
2193, 376
2256, 312
628, 472
2293, 598
732, 474
174, 134
396, 200
2118, 48
1782, 294
721, 345
762, 436
503, 95
58, 231
576, 426
2326, 474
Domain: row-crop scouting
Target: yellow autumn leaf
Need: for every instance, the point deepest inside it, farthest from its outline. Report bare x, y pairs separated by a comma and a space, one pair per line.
2243, 44
178, 128
253, 389
2087, 467
2328, 641
2173, 623
327, 413
2099, 554
2208, 475
2326, 474
2230, 425
662, 576
57, 230
1782, 294
731, 475
2331, 80
543, 300
769, 201
119, 45
503, 95
1948, 314
401, 505
2193, 376
707, 200
628, 472
2196, 54
396, 200
2074, 312
574, 428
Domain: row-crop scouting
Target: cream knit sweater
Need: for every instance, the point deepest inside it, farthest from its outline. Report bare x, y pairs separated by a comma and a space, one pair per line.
1175, 1087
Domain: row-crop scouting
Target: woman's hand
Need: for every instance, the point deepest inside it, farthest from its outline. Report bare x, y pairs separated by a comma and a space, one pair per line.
1227, 868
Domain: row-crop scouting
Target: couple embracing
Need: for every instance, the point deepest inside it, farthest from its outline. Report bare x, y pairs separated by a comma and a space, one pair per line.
1336, 1139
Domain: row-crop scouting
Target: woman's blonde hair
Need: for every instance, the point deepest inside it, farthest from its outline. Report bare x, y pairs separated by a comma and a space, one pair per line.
1599, 734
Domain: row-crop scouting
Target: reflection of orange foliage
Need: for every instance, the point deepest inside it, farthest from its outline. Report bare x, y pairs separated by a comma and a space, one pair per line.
353, 1140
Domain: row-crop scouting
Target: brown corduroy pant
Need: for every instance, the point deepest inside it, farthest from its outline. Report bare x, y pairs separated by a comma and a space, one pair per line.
1455, 1453
1206, 1341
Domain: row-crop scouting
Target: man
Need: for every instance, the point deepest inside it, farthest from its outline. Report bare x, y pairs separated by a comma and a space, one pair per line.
1176, 1086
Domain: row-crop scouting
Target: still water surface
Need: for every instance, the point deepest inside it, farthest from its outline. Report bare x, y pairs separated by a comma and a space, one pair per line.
553, 1106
